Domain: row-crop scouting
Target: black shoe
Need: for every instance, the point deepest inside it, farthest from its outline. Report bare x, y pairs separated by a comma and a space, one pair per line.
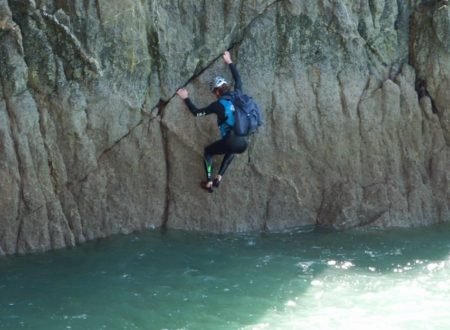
216, 183
204, 185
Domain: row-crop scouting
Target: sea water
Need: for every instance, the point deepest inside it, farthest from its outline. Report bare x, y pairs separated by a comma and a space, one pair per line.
393, 279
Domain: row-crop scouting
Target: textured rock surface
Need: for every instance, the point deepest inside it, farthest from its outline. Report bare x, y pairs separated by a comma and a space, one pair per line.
355, 97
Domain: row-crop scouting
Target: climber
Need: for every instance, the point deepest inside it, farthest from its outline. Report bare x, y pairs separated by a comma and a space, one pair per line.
229, 144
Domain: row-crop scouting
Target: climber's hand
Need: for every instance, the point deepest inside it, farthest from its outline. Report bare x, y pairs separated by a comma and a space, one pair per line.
183, 93
227, 57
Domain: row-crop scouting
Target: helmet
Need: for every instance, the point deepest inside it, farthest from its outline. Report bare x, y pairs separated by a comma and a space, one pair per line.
218, 82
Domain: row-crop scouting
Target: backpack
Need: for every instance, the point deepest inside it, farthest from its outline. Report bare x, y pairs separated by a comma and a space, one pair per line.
246, 116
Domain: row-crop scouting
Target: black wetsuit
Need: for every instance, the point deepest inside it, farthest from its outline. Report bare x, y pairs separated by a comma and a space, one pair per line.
229, 144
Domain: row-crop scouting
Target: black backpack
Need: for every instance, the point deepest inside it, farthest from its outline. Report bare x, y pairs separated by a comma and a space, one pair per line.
247, 114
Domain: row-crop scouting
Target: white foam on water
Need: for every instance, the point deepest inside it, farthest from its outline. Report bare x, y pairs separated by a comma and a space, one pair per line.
413, 296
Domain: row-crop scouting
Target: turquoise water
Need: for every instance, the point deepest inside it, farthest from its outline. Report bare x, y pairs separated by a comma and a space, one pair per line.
398, 279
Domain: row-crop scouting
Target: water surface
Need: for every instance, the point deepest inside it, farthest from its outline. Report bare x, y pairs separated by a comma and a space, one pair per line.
397, 279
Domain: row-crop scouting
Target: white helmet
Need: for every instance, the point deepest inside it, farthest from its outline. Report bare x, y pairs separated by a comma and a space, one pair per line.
218, 82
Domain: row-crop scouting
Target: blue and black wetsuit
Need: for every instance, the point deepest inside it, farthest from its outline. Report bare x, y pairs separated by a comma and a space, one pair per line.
229, 144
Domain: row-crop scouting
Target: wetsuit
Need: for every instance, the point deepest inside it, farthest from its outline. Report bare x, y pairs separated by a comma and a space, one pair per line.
229, 144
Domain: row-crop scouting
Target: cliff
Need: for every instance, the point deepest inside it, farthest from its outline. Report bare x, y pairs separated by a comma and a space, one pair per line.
93, 141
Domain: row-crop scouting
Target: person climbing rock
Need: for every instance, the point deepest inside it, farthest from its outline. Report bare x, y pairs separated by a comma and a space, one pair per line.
229, 144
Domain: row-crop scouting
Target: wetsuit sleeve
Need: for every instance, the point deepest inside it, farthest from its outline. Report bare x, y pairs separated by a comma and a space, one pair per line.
236, 77
212, 108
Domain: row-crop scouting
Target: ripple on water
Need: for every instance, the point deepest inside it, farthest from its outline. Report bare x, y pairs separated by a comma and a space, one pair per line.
294, 281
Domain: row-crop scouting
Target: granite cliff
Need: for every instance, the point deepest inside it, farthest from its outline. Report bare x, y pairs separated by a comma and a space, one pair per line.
93, 141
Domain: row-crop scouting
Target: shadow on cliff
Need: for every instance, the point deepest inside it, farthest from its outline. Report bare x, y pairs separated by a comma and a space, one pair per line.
185, 280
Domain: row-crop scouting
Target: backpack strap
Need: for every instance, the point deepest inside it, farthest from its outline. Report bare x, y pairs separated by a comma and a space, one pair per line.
228, 97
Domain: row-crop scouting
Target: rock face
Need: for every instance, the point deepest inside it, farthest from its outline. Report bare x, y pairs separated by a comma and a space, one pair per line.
93, 141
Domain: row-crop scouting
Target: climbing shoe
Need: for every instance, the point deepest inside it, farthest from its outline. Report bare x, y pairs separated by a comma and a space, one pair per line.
204, 185
216, 182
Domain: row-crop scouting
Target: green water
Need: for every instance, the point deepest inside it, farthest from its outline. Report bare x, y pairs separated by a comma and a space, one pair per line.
398, 279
